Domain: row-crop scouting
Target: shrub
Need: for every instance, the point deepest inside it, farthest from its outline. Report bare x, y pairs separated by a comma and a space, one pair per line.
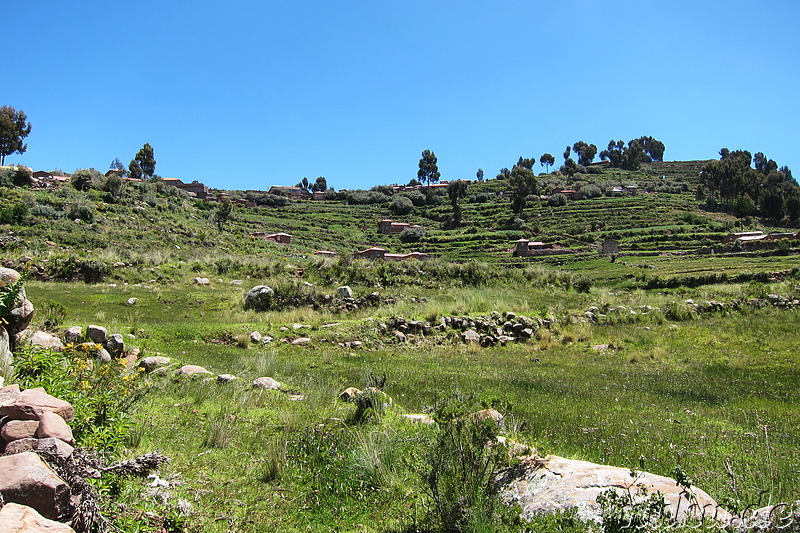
14, 214
461, 469
85, 179
81, 210
401, 205
412, 235
556, 200
101, 393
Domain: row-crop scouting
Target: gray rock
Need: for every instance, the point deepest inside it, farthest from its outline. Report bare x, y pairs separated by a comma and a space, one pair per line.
73, 334
202, 281
259, 298
192, 370
103, 355
266, 383
301, 341
471, 336
255, 337
46, 341
115, 345
131, 301
16, 518
344, 292
97, 334
29, 402
154, 361
226, 378
266, 339
553, 484
350, 394
49, 446
27, 480
6, 357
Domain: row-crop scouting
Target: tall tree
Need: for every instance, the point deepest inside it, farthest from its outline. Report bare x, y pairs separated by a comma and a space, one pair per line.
526, 162
457, 190
14, 127
547, 160
523, 183
585, 152
144, 164
428, 169
567, 151
223, 212
321, 184
479, 174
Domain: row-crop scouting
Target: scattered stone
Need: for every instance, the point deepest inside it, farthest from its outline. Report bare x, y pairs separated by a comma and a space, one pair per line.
31, 401
331, 325
349, 394
266, 383
103, 355
236, 282
97, 334
301, 341
400, 336
192, 370
259, 298
46, 341
131, 301
6, 357
600, 347
202, 281
419, 418
16, 518
471, 336
53, 426
266, 339
226, 378
255, 337
73, 334
554, 484
152, 362
301, 326
115, 345
27, 480
284, 329
489, 414
344, 292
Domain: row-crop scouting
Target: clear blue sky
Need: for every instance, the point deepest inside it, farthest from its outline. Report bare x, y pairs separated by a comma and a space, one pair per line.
247, 94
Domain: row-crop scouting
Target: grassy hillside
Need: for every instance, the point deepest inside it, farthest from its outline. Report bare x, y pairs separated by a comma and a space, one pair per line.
659, 356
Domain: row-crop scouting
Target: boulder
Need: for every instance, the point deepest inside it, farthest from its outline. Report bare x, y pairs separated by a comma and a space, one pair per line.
45, 340
553, 484
344, 292
266, 383
27, 480
259, 298
19, 429
131, 301
21, 314
31, 401
115, 345
489, 414
192, 370
52, 426
73, 334
103, 355
6, 357
350, 394
420, 418
97, 334
301, 341
16, 518
226, 378
47, 446
471, 336
152, 362
202, 281
9, 395
255, 337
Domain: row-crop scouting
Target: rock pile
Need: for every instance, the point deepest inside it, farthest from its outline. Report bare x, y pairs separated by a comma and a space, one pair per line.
495, 329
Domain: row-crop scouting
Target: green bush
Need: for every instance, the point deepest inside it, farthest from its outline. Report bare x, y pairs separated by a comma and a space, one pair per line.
412, 235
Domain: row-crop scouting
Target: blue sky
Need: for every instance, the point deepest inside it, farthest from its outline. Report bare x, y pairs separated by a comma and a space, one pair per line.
245, 94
